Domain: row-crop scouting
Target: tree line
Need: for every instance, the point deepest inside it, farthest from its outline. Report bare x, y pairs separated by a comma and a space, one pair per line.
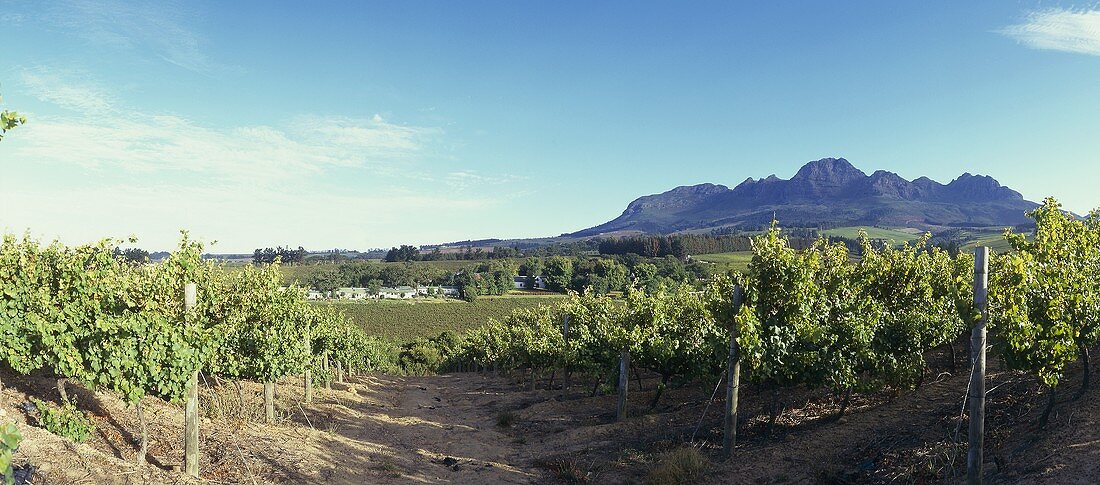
684, 245
285, 255
600, 274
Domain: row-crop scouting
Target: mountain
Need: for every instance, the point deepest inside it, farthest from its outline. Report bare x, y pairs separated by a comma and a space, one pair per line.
830, 191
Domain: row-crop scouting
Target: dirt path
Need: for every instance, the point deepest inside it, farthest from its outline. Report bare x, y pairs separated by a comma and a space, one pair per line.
439, 429
375, 429
444, 429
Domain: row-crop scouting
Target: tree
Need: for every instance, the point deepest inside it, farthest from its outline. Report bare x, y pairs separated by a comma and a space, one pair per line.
532, 268
132, 255
9, 120
326, 280
645, 277
559, 273
374, 286
403, 253
614, 272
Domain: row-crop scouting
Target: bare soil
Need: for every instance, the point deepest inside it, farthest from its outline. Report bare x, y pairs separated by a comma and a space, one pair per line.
470, 428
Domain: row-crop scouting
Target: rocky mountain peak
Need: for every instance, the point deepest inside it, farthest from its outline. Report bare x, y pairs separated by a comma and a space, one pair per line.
979, 187
827, 191
833, 171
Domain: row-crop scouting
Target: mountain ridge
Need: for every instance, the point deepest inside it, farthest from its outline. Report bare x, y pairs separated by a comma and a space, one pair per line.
829, 191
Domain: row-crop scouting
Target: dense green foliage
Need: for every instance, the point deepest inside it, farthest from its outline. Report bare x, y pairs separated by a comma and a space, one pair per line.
487, 279
82, 313
9, 120
9, 444
64, 420
821, 317
1045, 296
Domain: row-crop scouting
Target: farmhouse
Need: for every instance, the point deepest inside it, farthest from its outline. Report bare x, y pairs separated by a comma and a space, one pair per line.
352, 293
521, 283
386, 293
398, 293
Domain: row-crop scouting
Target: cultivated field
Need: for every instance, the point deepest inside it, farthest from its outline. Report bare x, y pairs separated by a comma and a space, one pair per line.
403, 321
738, 260
896, 235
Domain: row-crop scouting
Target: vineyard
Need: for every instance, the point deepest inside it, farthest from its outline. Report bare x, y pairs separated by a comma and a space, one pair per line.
403, 321
86, 316
796, 320
815, 319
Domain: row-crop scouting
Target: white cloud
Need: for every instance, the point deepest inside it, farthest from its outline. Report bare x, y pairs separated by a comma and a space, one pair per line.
134, 141
1076, 31
466, 179
241, 216
105, 169
102, 134
156, 29
56, 87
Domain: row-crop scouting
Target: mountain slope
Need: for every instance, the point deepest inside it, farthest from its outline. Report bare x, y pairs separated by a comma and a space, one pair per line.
829, 191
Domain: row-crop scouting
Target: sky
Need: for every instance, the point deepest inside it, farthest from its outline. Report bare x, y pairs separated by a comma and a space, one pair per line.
364, 124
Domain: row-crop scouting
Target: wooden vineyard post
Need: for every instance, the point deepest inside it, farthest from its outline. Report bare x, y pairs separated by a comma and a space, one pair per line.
307, 378
328, 377
339, 372
624, 383
733, 380
191, 407
565, 338
269, 402
974, 456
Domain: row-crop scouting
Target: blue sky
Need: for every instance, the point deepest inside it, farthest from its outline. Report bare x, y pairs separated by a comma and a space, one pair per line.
359, 124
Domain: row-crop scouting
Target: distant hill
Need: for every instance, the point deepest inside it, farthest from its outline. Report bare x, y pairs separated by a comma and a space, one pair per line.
826, 192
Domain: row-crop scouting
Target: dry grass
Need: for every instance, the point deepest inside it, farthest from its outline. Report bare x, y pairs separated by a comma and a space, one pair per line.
506, 419
571, 471
682, 465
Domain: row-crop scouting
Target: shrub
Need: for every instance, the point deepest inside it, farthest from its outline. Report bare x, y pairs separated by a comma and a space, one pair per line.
421, 357
570, 471
9, 442
430, 355
64, 421
506, 419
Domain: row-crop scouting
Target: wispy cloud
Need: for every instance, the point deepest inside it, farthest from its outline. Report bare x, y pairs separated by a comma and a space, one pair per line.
156, 29
467, 179
1076, 31
241, 217
58, 88
135, 141
102, 133
12, 18
103, 168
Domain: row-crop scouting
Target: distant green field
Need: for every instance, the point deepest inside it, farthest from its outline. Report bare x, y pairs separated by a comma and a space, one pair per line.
995, 241
738, 261
404, 321
873, 233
